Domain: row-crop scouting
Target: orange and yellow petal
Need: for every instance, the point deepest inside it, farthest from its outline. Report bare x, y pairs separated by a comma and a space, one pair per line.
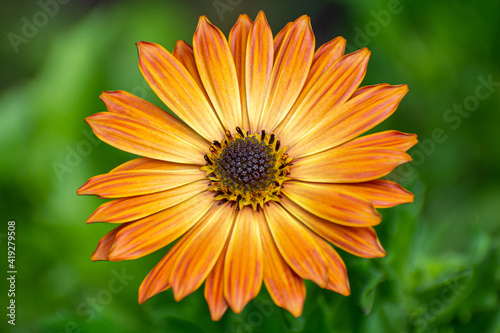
297, 245
360, 113
360, 241
387, 139
339, 165
337, 272
381, 193
105, 244
202, 247
214, 288
138, 182
332, 203
327, 90
237, 39
258, 68
185, 54
155, 231
168, 143
280, 37
286, 288
243, 263
134, 208
218, 73
290, 70
175, 86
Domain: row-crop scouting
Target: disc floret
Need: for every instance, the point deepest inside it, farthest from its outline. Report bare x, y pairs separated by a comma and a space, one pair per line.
247, 168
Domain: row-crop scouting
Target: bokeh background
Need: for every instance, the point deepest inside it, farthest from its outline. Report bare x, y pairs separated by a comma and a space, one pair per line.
442, 271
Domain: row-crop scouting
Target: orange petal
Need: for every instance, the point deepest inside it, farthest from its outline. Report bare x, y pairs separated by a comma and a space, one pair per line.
130, 106
289, 73
218, 73
359, 114
280, 37
360, 241
214, 288
151, 233
297, 245
337, 273
132, 183
339, 165
332, 203
243, 263
259, 64
185, 54
286, 288
382, 193
167, 143
144, 163
326, 55
204, 244
324, 58
238, 37
158, 279
331, 87
134, 208
105, 244
386, 139
175, 86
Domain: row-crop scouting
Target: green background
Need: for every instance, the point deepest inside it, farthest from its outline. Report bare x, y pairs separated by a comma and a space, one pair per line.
442, 271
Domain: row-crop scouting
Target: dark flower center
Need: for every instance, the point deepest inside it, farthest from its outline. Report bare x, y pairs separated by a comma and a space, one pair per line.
246, 164
247, 168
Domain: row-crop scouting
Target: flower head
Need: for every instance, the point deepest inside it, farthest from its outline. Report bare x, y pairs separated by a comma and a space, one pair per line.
264, 171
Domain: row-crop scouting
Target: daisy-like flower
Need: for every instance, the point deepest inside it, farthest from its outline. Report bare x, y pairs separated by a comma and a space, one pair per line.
264, 171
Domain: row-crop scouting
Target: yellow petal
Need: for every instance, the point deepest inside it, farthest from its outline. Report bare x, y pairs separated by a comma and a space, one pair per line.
155, 231
332, 203
339, 165
297, 245
328, 89
214, 289
144, 163
243, 263
326, 55
238, 37
289, 73
105, 244
360, 113
130, 106
167, 143
286, 288
259, 64
218, 74
337, 273
132, 183
280, 37
382, 193
185, 54
360, 241
134, 208
175, 86
203, 246
158, 279
386, 139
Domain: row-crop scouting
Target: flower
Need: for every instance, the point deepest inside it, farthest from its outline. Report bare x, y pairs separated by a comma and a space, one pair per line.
263, 174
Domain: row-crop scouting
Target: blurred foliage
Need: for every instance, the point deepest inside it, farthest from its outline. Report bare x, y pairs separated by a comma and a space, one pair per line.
442, 271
